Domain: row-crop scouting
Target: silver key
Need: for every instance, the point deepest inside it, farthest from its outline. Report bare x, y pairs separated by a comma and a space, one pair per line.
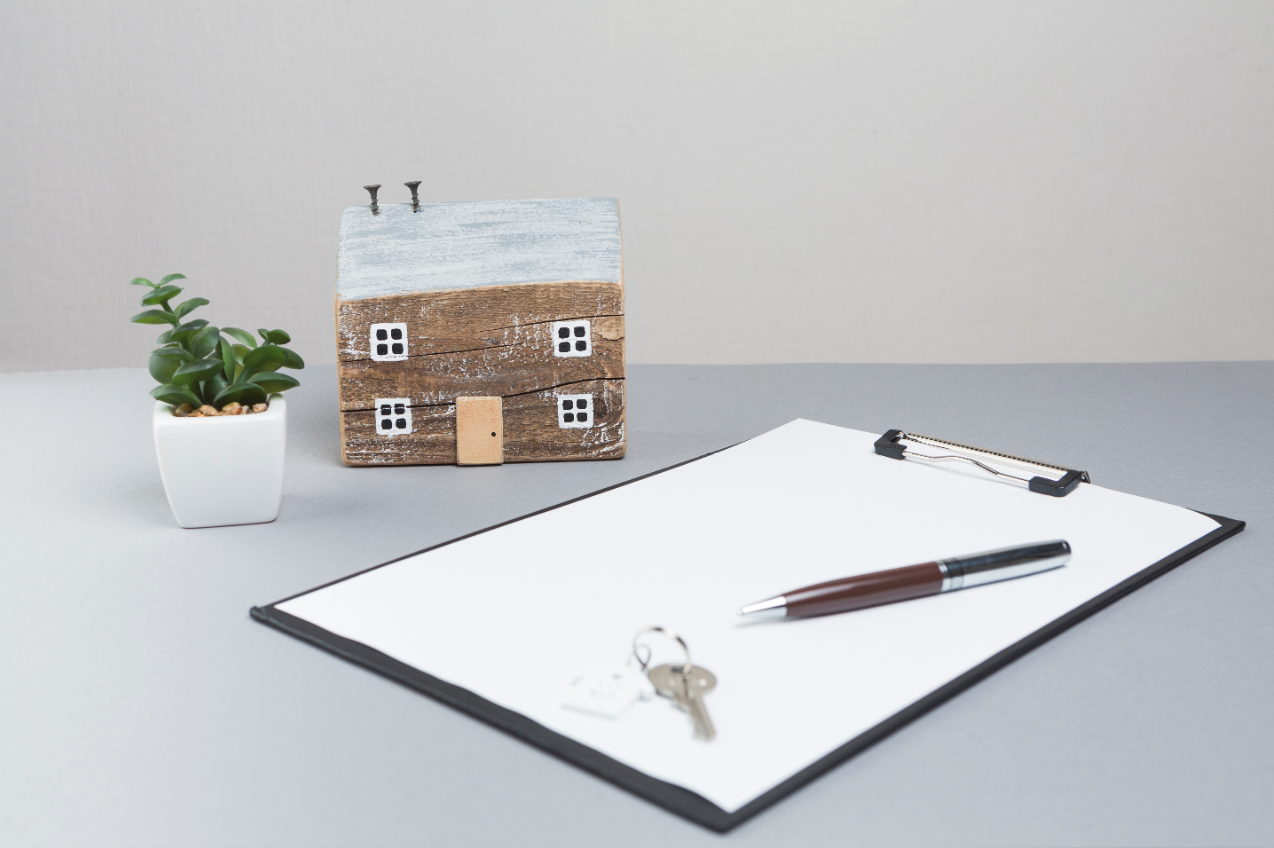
687, 691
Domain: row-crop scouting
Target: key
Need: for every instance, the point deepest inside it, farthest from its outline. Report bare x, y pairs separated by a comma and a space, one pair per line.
687, 692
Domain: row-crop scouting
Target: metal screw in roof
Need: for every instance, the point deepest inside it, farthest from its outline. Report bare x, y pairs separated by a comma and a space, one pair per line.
372, 189
415, 200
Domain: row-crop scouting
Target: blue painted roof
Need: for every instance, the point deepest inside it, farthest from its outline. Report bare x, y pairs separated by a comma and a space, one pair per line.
476, 243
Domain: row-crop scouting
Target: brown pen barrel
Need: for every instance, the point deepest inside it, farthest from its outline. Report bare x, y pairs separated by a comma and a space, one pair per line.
865, 590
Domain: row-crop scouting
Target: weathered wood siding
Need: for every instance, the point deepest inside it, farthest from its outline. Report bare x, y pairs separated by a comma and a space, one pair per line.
531, 431
469, 319
494, 341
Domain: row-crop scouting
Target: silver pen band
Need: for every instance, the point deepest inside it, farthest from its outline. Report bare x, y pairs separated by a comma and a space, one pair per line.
1002, 564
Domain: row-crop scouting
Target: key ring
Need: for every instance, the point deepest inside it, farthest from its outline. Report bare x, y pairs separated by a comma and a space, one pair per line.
671, 634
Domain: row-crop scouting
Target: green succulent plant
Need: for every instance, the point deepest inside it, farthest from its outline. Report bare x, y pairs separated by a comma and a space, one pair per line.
199, 364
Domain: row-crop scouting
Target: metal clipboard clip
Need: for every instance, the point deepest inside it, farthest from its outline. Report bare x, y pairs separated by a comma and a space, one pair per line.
1045, 479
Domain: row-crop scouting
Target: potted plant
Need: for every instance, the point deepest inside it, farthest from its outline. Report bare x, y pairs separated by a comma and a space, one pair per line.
220, 420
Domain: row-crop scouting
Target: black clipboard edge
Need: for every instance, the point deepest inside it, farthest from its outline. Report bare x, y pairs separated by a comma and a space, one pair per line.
674, 798
667, 795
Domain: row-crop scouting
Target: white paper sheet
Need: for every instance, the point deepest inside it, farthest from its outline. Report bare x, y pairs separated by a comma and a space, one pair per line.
515, 614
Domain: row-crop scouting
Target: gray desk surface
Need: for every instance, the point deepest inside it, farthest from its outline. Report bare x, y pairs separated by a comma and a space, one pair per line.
141, 705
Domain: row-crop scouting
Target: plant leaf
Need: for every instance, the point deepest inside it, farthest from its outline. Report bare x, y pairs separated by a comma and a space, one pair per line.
141, 281
247, 393
294, 360
163, 294
165, 362
164, 338
182, 332
204, 341
166, 280
240, 336
154, 316
213, 386
265, 353
176, 395
188, 306
240, 351
275, 336
196, 372
274, 382
227, 359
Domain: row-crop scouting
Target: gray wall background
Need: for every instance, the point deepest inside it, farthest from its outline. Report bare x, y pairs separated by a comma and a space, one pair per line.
904, 182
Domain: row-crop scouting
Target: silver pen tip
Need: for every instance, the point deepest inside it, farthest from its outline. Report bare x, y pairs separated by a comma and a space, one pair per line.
775, 607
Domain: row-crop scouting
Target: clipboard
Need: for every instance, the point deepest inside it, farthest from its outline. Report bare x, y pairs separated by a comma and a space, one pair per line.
672, 794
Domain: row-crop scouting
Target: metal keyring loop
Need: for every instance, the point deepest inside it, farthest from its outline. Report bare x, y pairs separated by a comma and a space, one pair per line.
671, 634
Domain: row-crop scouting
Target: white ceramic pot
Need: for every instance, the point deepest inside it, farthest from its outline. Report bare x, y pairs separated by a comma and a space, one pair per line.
223, 470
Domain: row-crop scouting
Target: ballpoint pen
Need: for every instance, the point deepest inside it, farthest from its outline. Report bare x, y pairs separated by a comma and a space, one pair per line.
912, 581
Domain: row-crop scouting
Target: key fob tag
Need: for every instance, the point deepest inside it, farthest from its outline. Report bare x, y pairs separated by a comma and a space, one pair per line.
608, 692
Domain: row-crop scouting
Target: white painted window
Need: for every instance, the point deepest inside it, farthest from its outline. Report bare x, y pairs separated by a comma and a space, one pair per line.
389, 342
393, 416
572, 338
575, 411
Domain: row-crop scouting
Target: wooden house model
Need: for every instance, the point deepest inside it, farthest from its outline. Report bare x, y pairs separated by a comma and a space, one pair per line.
481, 332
